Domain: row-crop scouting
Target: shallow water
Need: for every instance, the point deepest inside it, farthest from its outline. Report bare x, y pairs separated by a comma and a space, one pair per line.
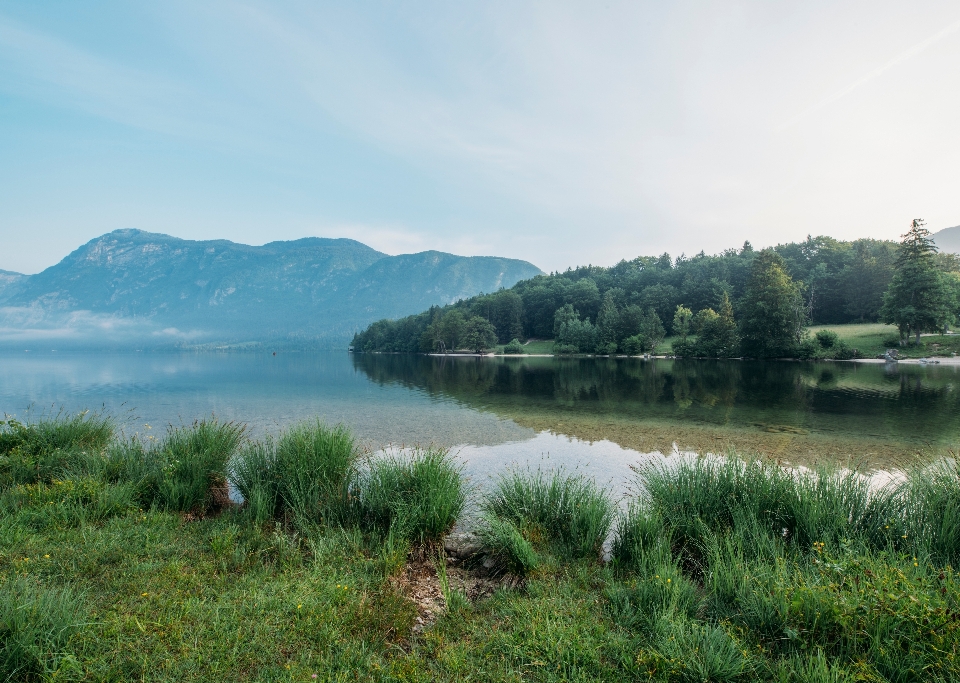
597, 414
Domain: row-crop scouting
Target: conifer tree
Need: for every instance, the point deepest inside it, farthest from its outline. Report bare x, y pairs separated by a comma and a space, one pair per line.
774, 314
919, 298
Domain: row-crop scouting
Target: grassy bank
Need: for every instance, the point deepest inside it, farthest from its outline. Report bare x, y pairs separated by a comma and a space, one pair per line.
125, 559
870, 340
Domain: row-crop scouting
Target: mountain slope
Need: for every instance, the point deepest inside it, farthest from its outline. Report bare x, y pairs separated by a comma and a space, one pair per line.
9, 284
948, 239
135, 283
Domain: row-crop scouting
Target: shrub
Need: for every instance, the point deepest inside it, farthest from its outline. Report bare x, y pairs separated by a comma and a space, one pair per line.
41, 451
36, 624
416, 495
635, 345
514, 347
609, 348
809, 349
571, 513
562, 349
684, 347
827, 339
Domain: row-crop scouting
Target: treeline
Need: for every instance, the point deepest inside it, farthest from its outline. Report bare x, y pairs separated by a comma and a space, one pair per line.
739, 302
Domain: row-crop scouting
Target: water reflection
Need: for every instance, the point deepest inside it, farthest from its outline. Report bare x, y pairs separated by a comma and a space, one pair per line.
838, 407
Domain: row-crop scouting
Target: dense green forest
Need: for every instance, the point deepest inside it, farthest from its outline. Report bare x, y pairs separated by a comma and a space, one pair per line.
739, 302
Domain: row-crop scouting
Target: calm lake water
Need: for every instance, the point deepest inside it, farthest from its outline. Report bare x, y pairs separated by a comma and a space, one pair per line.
601, 415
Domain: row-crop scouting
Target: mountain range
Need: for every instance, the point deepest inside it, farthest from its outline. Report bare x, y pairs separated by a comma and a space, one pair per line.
948, 239
131, 286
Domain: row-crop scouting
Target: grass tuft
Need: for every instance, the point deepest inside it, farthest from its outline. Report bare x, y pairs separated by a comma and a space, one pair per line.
43, 450
305, 473
416, 495
569, 514
184, 472
36, 624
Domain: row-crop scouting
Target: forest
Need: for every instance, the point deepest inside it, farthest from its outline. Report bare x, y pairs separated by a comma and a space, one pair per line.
743, 301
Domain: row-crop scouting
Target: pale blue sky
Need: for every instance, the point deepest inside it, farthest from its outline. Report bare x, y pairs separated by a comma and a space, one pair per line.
560, 133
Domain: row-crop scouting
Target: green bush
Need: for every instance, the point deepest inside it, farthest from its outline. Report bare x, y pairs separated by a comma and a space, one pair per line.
563, 349
609, 348
43, 450
570, 513
514, 347
36, 624
635, 345
810, 349
827, 339
416, 495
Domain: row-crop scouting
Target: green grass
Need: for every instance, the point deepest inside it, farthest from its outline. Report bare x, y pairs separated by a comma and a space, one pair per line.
304, 475
724, 570
415, 495
554, 511
872, 339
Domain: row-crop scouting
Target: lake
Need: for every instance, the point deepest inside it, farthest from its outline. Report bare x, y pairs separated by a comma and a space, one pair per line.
597, 414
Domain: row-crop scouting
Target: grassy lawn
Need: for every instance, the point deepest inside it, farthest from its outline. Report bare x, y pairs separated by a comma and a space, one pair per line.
872, 339
123, 561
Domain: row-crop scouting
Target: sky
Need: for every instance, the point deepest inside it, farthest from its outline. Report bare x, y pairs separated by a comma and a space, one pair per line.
560, 133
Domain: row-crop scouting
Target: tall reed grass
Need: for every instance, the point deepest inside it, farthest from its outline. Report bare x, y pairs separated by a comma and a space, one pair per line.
186, 471
43, 450
36, 624
306, 473
415, 495
568, 515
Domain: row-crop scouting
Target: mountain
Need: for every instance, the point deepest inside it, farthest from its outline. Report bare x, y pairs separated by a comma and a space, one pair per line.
130, 284
948, 239
9, 283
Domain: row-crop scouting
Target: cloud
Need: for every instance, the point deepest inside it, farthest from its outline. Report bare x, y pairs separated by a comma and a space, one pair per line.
33, 323
876, 73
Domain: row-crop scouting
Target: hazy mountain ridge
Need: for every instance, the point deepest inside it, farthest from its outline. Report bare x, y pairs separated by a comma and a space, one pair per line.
948, 239
135, 283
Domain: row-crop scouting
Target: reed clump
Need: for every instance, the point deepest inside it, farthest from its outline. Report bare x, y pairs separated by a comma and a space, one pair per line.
528, 512
185, 471
416, 495
43, 450
815, 573
305, 474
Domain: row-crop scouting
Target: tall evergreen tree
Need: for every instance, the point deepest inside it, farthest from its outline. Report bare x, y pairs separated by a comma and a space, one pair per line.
919, 298
608, 325
774, 313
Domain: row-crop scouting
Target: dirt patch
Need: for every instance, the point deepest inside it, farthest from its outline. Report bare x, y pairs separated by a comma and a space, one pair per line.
421, 583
